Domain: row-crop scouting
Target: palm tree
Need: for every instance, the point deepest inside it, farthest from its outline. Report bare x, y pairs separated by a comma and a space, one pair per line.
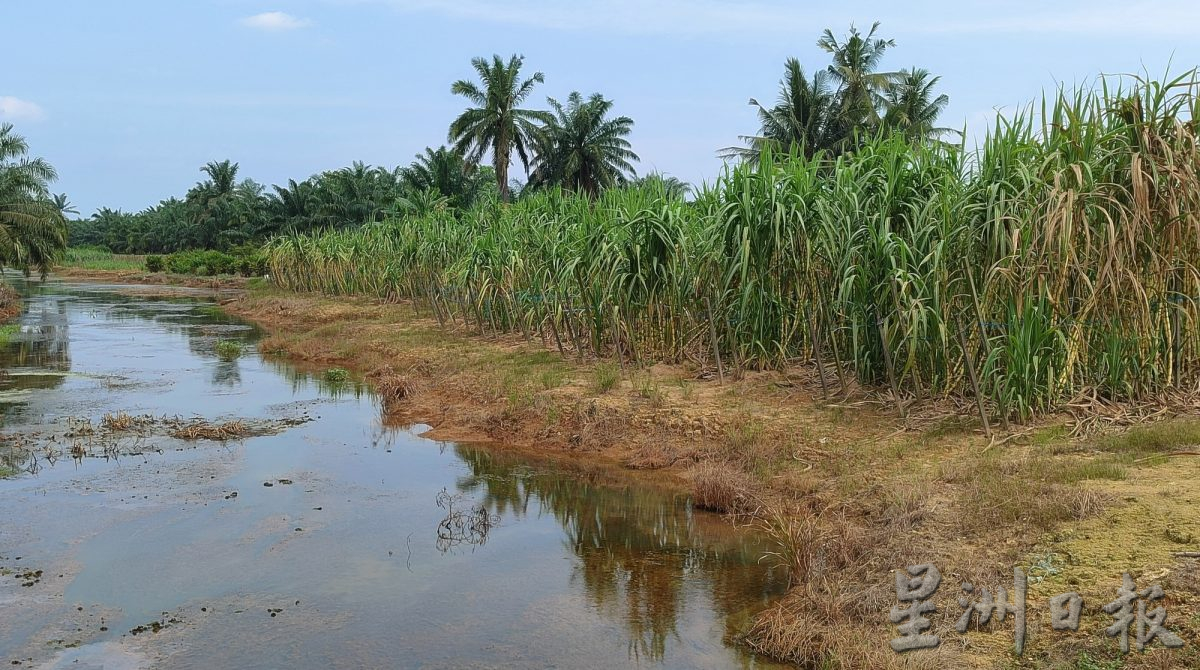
912, 109
358, 194
580, 149
861, 88
446, 173
63, 204
33, 233
293, 207
802, 119
671, 186
496, 123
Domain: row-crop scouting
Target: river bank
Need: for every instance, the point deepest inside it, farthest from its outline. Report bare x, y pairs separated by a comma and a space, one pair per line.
848, 491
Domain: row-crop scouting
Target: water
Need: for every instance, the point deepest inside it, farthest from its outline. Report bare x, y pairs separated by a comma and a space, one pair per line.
385, 550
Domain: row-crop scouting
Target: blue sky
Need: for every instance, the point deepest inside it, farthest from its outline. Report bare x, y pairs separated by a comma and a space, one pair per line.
128, 99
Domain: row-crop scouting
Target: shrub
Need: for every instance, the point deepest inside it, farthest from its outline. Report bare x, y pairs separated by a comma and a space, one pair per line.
155, 263
228, 350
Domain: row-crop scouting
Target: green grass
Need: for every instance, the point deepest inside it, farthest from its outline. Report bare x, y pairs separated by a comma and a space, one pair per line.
1156, 438
336, 375
552, 378
1091, 469
605, 377
228, 350
7, 332
87, 258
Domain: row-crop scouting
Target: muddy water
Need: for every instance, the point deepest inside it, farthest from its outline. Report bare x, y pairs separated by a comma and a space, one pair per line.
371, 546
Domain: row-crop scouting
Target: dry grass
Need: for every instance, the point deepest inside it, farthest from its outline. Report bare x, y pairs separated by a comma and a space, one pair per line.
719, 487
11, 303
200, 429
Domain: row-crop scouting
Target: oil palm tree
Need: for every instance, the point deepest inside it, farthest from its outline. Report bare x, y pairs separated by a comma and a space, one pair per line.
860, 86
802, 119
446, 173
63, 204
33, 233
671, 186
581, 149
497, 123
912, 108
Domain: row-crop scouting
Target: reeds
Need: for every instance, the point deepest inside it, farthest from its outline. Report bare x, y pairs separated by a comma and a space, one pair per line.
1059, 260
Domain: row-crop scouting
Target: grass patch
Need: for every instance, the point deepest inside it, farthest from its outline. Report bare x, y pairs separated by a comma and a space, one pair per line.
90, 258
605, 377
228, 350
1030, 492
1156, 438
336, 375
7, 332
743, 433
1091, 469
552, 378
648, 389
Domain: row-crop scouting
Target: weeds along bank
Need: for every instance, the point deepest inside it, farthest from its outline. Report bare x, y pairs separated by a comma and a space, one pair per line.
1057, 261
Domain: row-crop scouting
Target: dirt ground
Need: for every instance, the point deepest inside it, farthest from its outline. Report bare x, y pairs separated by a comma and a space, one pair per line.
849, 491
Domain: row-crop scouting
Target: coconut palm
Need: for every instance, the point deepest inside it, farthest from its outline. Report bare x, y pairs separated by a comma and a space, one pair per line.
912, 108
802, 119
582, 150
33, 233
497, 124
860, 86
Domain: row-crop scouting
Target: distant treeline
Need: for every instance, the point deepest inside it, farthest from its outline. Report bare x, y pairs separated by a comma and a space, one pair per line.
577, 145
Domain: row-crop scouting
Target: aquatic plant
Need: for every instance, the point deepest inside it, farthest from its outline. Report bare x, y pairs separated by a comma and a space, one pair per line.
336, 375
228, 350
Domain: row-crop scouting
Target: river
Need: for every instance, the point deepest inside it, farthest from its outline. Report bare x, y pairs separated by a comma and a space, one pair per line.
325, 538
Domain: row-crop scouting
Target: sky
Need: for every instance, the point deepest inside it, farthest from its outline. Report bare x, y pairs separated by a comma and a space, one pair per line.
128, 98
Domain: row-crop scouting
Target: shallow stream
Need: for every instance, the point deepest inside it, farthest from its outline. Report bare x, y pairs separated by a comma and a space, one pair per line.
329, 541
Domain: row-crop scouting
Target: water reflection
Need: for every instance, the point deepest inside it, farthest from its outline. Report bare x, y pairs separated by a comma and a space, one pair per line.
636, 545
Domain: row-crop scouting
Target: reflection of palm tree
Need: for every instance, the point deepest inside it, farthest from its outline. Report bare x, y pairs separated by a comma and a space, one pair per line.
635, 545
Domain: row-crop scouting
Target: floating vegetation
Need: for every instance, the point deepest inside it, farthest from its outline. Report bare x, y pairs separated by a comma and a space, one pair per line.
200, 429
228, 350
336, 375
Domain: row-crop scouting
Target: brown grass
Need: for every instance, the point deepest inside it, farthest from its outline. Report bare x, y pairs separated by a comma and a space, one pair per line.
200, 429
721, 488
11, 304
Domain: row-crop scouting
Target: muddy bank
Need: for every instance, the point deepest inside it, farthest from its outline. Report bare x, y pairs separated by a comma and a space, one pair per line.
140, 277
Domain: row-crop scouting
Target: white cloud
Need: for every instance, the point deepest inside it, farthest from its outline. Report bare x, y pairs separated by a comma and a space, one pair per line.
757, 17
274, 22
16, 109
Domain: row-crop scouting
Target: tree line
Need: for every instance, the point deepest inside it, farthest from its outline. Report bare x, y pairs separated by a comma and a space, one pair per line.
578, 145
